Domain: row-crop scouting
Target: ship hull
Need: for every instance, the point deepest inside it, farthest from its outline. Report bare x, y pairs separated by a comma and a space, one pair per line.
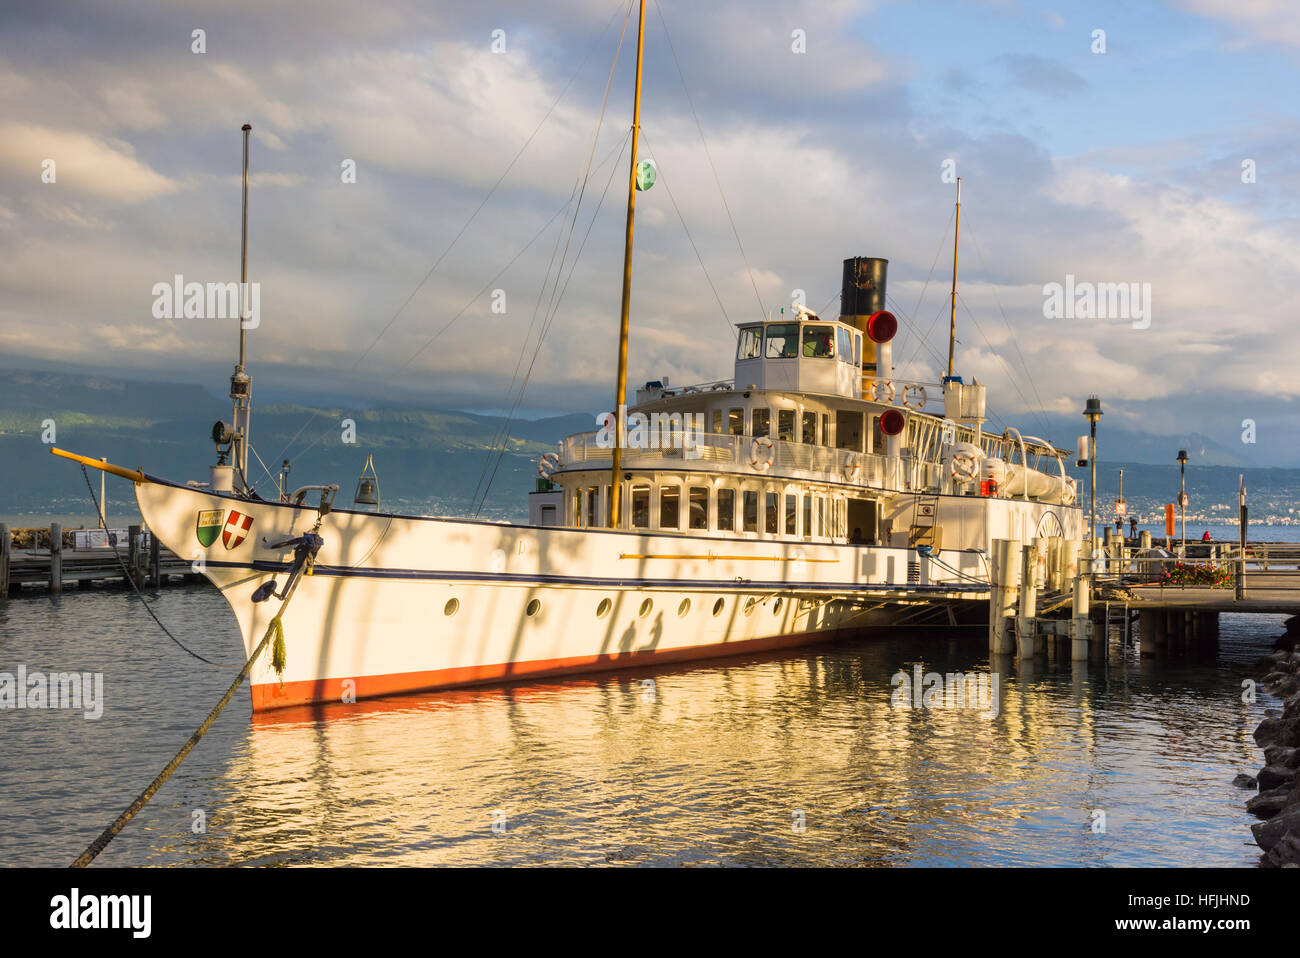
399, 604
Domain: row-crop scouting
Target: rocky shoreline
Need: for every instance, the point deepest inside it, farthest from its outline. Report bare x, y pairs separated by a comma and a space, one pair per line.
1278, 801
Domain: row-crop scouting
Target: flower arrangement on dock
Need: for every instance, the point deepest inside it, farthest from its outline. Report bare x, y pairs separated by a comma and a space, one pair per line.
1186, 573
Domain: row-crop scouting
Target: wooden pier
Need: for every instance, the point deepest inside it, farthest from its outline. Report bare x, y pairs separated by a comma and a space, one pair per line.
58, 566
1045, 597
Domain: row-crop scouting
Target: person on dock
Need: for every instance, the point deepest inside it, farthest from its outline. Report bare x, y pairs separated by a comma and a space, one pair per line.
1206, 537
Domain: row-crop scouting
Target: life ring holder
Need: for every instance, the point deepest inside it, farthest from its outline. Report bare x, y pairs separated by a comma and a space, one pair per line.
879, 386
961, 474
914, 389
757, 459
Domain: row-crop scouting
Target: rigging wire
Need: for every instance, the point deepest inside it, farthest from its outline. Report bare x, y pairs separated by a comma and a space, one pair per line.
937, 253
553, 311
662, 179
418, 286
1010, 333
496, 451
762, 312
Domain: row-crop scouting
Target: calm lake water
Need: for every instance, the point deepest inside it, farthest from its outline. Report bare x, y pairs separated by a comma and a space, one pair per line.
717, 764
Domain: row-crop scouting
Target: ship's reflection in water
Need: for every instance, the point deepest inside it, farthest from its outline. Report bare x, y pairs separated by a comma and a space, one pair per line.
784, 759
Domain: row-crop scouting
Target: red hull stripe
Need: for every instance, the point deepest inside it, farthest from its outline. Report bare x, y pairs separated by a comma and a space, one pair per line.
273, 695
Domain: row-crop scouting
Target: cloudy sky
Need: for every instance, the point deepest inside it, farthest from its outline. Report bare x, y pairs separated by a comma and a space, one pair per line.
1169, 159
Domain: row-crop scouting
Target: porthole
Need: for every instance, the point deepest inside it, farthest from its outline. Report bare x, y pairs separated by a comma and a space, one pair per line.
776, 608
684, 607
602, 610
452, 607
646, 606
533, 607
718, 606
749, 606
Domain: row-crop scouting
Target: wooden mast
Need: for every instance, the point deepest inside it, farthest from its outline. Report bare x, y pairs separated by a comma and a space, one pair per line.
952, 318
621, 387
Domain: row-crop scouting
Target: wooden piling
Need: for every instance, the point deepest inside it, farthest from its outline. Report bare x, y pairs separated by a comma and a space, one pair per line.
1080, 625
155, 561
56, 558
5, 538
1025, 624
133, 553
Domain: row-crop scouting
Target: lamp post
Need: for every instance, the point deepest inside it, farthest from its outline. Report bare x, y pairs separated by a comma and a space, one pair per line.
1182, 496
1092, 412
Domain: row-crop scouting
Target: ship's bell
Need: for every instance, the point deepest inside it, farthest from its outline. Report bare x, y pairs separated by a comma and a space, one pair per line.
367, 486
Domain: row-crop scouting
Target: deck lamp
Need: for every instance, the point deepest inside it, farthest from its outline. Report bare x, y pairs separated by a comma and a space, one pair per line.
1092, 412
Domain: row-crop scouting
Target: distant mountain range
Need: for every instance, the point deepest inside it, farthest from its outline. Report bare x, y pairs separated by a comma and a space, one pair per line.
433, 460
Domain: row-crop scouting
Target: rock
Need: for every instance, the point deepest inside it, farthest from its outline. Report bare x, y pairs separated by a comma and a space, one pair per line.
1287, 757
1245, 781
1269, 803
1269, 833
1272, 713
1278, 731
1292, 709
1285, 853
1276, 776
1284, 686
1285, 643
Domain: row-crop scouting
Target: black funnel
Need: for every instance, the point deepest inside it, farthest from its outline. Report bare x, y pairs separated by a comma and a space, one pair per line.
863, 290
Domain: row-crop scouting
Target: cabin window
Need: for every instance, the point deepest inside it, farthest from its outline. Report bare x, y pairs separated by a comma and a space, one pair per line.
791, 513
810, 428
762, 422
818, 342
821, 517
670, 511
771, 521
749, 517
845, 348
783, 341
785, 424
736, 422
826, 430
593, 505
717, 422
751, 343
877, 437
699, 514
727, 510
641, 507
807, 517
576, 511
857, 349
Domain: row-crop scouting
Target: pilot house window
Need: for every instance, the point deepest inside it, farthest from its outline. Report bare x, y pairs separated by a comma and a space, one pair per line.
751, 343
783, 341
818, 342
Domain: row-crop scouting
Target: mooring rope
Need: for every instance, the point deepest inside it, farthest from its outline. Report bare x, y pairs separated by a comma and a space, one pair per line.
130, 578
275, 629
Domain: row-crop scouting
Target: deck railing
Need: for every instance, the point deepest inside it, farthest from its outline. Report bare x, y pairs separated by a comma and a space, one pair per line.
746, 456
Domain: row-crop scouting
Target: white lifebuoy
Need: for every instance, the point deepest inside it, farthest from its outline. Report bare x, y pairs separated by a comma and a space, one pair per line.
851, 466
960, 473
547, 464
757, 458
914, 388
880, 386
